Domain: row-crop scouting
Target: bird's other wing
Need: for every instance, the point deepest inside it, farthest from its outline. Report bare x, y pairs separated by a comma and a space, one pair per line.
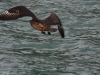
53, 19
15, 13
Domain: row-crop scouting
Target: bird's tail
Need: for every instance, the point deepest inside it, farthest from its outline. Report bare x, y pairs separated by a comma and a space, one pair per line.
53, 29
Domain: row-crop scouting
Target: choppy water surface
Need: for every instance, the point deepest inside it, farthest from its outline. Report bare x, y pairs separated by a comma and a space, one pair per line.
25, 51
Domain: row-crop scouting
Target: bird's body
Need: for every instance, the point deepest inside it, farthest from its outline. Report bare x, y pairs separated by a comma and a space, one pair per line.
41, 25
38, 26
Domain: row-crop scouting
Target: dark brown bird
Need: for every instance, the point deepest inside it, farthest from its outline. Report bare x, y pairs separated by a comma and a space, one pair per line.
41, 25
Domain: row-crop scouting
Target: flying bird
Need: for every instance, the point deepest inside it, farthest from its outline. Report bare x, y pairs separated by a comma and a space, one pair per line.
41, 25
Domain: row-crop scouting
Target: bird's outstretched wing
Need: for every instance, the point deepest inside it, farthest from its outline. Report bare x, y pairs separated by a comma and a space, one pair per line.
53, 19
15, 13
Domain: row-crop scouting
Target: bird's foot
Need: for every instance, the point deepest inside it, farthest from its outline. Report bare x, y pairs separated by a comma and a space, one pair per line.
49, 33
42, 32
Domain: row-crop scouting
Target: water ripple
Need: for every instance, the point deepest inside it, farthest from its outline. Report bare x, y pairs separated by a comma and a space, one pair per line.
25, 51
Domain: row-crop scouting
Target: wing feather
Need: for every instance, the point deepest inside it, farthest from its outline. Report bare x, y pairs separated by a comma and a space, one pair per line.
15, 13
53, 19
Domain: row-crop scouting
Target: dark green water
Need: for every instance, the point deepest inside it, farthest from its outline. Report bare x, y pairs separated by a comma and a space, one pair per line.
25, 51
